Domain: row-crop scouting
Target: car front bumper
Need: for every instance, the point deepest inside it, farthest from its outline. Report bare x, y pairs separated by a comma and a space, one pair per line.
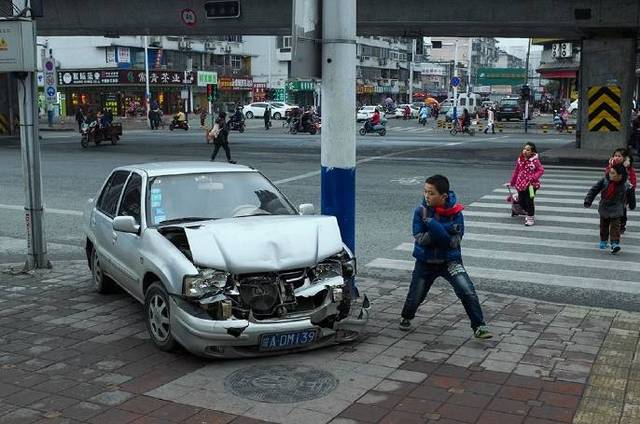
236, 338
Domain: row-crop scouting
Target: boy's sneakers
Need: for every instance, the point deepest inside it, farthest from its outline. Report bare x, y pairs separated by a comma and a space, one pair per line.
615, 248
529, 221
603, 244
405, 324
482, 333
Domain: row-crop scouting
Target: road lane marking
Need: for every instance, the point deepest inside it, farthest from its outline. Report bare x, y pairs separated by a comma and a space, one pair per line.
46, 210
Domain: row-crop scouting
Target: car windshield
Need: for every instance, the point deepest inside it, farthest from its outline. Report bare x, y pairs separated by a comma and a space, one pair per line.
193, 197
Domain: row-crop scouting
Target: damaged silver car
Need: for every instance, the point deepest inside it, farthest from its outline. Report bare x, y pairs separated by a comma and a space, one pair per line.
224, 264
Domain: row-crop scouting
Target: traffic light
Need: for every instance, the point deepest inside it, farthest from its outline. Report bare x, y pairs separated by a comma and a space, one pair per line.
222, 9
212, 92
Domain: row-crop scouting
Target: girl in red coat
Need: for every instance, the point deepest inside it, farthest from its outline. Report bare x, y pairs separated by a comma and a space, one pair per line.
622, 155
526, 179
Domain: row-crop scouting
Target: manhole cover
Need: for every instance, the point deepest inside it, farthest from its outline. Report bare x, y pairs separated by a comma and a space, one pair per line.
280, 383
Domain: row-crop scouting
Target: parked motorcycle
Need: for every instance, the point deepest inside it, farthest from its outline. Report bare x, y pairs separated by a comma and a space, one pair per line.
92, 133
235, 125
182, 125
367, 128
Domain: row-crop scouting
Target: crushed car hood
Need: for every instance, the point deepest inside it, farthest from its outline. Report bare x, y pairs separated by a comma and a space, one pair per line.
264, 243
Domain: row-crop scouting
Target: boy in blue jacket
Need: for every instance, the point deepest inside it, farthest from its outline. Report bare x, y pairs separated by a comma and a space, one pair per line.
438, 227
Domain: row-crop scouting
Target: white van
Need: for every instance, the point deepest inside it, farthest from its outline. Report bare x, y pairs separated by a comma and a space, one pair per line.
472, 102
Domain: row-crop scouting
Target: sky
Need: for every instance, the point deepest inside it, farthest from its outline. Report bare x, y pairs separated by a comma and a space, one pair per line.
508, 43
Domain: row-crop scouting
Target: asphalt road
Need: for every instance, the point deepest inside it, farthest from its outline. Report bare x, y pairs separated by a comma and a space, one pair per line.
390, 174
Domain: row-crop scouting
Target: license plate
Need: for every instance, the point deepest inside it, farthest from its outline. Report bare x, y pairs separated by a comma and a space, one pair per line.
288, 340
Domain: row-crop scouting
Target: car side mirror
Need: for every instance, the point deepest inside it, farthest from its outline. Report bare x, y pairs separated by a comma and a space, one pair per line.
307, 209
126, 224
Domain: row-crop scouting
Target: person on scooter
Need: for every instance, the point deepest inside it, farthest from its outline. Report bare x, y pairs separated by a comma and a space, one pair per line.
423, 113
237, 115
407, 112
465, 120
305, 120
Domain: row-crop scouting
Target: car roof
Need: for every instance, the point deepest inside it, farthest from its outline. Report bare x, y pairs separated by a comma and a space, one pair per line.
153, 169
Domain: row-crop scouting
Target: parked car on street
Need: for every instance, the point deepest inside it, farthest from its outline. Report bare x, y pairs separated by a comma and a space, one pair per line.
224, 264
509, 108
366, 112
279, 109
255, 110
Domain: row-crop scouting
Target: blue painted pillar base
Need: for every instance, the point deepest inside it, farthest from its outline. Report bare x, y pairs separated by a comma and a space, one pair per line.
338, 198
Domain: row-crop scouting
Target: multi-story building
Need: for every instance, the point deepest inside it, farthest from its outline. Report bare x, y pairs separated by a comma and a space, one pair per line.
507, 60
560, 61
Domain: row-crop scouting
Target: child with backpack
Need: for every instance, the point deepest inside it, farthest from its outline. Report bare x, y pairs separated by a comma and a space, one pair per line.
526, 180
622, 155
615, 191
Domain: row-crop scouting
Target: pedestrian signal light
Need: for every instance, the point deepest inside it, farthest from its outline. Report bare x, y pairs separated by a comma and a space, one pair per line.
222, 9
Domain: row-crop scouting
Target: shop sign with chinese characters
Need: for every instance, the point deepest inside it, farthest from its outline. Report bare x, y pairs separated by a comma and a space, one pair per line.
235, 84
113, 77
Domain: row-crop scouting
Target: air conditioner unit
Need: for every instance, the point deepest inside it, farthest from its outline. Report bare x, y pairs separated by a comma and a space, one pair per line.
209, 45
155, 41
361, 58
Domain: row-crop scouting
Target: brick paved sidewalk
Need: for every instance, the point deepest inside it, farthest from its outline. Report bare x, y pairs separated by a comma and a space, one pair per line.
68, 355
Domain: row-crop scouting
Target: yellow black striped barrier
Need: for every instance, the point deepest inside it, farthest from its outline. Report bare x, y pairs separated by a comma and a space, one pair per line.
5, 128
544, 129
604, 108
500, 126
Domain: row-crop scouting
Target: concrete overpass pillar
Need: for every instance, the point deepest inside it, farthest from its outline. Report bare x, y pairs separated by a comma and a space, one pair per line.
606, 90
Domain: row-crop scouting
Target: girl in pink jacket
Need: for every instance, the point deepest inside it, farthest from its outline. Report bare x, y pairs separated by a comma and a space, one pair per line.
526, 179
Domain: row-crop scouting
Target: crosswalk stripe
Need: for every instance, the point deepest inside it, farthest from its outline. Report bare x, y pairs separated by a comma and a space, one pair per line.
524, 277
527, 241
588, 211
470, 225
544, 192
586, 183
575, 168
539, 199
544, 218
527, 257
589, 177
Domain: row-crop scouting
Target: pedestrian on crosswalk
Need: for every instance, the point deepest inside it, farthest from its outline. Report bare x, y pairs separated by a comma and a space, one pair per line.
526, 179
615, 191
438, 227
622, 155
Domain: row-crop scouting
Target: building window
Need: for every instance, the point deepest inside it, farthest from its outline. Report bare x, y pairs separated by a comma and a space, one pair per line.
284, 42
236, 62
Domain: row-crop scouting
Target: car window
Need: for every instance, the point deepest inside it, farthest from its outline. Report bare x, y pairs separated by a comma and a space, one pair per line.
262, 105
130, 204
108, 201
220, 195
278, 105
463, 101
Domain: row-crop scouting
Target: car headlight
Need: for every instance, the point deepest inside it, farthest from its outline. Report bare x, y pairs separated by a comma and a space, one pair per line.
207, 281
328, 269
349, 268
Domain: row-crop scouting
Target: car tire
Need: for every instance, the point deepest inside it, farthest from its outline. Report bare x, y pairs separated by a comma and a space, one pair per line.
158, 317
101, 283
312, 131
249, 115
277, 116
114, 139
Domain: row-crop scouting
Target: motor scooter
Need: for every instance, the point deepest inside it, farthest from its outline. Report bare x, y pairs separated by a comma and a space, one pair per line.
91, 132
183, 125
235, 125
367, 128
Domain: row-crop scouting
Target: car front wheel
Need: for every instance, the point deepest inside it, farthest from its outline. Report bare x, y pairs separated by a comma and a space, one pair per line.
158, 317
277, 116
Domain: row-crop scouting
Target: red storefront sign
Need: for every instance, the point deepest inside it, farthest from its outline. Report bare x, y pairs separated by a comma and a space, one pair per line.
259, 92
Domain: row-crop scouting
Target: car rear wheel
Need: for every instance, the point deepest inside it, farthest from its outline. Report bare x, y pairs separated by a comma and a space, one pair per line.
101, 283
277, 116
158, 317
249, 115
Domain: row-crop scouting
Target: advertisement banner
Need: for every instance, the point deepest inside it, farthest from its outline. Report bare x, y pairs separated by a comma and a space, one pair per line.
226, 83
124, 55
110, 54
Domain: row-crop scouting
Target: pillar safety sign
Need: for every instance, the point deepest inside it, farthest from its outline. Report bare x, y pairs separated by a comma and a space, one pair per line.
50, 80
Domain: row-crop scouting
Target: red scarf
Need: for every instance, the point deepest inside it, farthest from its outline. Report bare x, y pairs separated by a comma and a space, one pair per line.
457, 208
611, 189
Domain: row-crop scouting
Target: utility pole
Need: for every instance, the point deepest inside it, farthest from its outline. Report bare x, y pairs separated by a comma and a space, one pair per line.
412, 57
469, 67
455, 87
30, 152
147, 92
526, 83
338, 137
